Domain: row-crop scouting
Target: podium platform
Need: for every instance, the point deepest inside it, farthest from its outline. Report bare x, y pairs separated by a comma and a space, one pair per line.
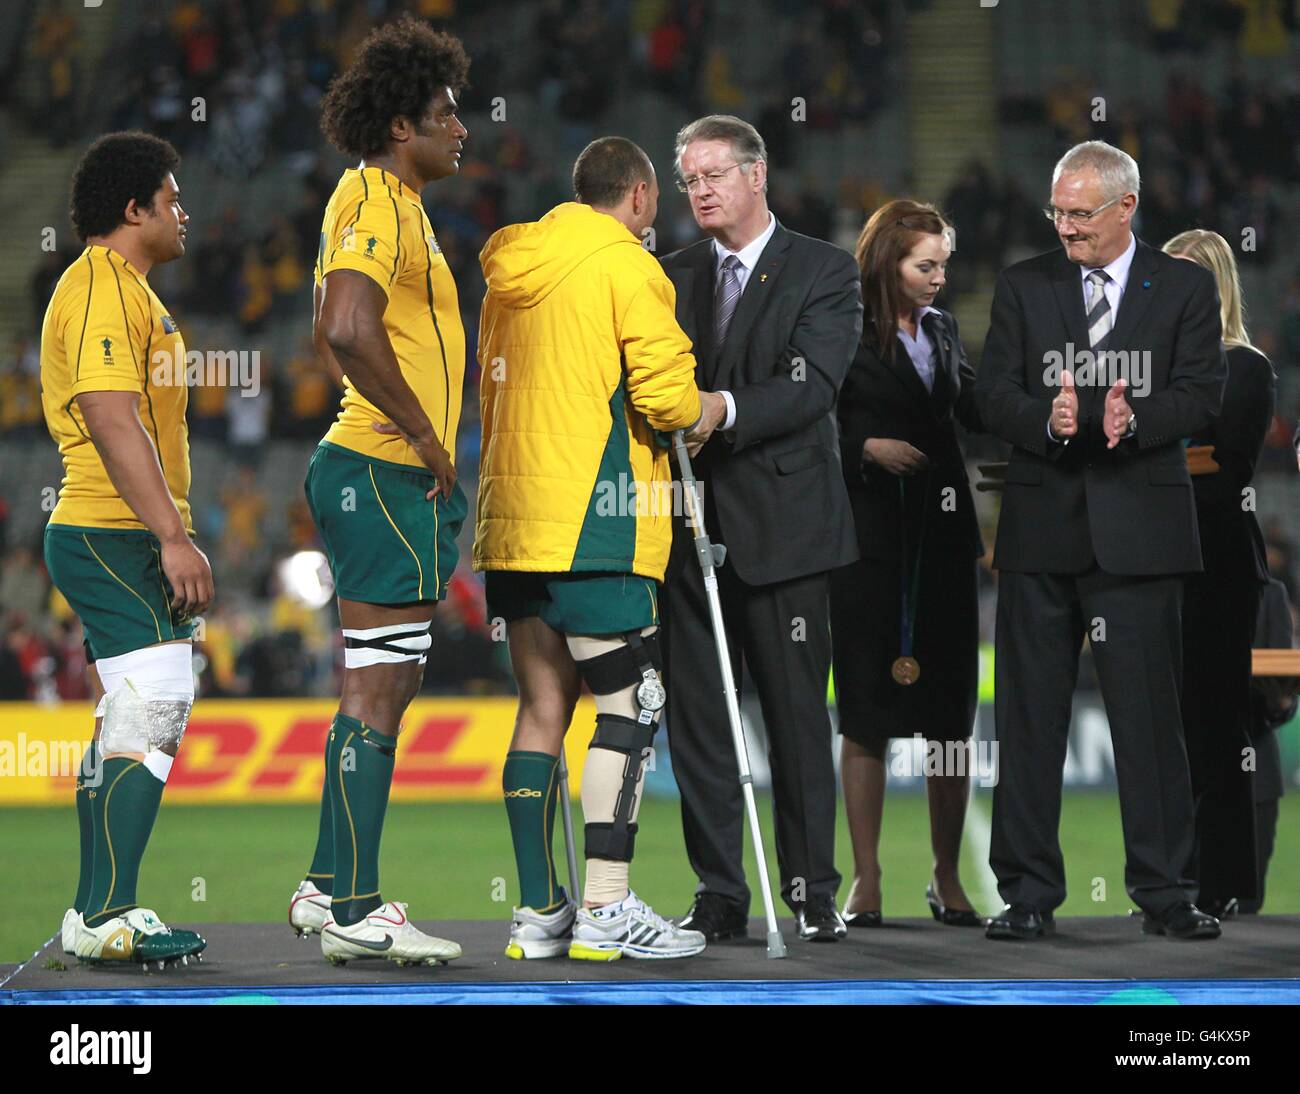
1090, 960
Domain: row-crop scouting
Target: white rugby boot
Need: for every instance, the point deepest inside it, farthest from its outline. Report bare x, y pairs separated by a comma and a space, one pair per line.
139, 936
309, 909
385, 932
533, 934
630, 928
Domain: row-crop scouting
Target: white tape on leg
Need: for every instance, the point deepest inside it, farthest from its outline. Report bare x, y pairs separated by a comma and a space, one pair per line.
148, 694
386, 645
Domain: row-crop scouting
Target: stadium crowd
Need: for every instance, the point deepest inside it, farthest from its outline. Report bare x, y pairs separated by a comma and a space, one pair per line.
1215, 155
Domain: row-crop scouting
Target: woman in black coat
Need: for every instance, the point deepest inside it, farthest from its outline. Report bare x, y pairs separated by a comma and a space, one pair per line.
1221, 604
904, 618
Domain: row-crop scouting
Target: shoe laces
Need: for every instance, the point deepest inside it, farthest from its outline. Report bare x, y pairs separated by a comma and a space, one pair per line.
643, 910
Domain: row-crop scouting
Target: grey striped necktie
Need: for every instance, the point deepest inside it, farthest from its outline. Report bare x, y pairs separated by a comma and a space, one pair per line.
1100, 317
725, 299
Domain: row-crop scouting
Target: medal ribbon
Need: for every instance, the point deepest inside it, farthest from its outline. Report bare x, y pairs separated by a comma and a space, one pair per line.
911, 582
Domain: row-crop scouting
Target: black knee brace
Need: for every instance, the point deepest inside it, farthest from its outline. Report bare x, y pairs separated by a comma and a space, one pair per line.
615, 840
637, 662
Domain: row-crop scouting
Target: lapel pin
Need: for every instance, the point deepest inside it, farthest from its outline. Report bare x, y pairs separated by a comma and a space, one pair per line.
1146, 284
762, 277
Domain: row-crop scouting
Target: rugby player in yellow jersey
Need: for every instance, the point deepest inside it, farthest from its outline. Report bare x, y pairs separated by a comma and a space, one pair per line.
381, 485
118, 543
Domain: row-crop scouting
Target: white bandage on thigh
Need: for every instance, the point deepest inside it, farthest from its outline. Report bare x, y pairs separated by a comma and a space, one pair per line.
386, 645
148, 694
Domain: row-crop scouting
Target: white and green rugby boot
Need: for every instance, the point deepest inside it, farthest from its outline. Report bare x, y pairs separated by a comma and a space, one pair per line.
630, 928
386, 932
138, 936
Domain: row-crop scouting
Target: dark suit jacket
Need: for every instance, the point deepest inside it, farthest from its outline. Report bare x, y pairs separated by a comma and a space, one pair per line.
1230, 537
1129, 509
773, 485
884, 397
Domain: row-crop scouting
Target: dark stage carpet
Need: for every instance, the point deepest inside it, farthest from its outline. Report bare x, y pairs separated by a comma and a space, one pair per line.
907, 961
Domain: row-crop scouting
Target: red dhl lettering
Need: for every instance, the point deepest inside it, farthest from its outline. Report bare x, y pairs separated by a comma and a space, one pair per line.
420, 755
302, 745
433, 739
211, 752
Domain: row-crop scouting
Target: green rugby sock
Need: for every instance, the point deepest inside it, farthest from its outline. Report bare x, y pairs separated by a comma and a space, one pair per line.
123, 807
531, 785
321, 871
359, 762
86, 773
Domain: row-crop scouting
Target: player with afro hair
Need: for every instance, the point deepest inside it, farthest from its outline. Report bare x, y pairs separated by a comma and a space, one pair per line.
398, 72
117, 169
387, 325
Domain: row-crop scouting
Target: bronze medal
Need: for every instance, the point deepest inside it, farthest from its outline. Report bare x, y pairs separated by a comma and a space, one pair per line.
905, 671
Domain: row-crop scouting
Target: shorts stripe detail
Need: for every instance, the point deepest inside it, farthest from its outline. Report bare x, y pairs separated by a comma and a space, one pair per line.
419, 569
162, 589
127, 587
437, 570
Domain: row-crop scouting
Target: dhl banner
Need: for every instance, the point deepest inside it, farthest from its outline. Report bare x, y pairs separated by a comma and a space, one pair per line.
272, 750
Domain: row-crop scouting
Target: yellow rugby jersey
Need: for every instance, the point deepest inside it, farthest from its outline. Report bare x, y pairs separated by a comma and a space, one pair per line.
377, 225
105, 330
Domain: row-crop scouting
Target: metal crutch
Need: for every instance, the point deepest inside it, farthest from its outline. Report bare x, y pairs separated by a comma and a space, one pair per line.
570, 849
710, 556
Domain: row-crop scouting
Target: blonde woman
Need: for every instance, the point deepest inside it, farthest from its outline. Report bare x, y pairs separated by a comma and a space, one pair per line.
1221, 604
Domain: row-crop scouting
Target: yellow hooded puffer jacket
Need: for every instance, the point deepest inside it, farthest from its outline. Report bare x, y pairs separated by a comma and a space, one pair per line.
582, 360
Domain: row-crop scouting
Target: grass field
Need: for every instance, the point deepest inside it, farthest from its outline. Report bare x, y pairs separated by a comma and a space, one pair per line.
451, 860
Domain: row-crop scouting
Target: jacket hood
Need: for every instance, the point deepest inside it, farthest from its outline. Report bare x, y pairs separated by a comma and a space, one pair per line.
524, 263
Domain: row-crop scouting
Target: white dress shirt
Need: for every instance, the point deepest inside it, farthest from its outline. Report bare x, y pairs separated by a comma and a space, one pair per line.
1117, 271
748, 255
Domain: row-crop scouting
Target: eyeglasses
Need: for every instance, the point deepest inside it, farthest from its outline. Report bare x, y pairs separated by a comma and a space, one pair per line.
713, 178
1056, 215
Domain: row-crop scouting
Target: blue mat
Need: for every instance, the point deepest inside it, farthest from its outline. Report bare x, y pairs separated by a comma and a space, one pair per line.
781, 992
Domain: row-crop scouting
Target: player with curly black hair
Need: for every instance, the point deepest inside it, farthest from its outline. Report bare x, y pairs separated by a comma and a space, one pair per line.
382, 484
118, 544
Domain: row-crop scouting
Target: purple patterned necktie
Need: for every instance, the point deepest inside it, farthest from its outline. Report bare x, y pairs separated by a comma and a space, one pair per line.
725, 300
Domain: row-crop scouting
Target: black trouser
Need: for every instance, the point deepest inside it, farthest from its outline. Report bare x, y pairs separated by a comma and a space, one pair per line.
783, 633
1041, 622
1220, 611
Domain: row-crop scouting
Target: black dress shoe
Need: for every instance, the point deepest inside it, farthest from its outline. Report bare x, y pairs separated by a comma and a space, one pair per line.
1183, 921
951, 917
717, 918
819, 921
862, 919
1020, 923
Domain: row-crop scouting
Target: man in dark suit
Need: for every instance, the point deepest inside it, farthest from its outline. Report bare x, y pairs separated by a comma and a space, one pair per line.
775, 318
1096, 530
